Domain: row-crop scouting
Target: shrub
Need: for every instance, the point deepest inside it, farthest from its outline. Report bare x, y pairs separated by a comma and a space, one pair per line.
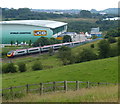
37, 66
113, 51
67, 38
5, 69
94, 37
51, 51
92, 46
9, 68
65, 55
103, 48
111, 40
22, 67
86, 55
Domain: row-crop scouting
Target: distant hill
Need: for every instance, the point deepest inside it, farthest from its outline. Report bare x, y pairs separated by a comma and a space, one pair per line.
76, 11
111, 10
108, 11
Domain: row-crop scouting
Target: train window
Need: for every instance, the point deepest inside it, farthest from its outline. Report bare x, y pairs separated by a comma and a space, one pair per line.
21, 51
9, 53
76, 43
57, 46
33, 50
46, 48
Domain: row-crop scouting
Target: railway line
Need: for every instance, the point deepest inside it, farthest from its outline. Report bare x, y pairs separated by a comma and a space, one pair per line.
42, 50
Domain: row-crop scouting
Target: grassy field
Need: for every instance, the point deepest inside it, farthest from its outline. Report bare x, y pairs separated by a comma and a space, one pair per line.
95, 94
104, 70
76, 19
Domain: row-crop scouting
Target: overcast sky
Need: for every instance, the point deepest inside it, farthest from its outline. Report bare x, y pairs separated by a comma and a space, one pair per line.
60, 4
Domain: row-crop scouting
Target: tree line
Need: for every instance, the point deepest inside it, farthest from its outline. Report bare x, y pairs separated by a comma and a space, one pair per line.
26, 13
104, 51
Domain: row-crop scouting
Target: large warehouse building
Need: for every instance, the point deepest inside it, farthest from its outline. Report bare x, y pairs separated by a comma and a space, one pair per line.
26, 30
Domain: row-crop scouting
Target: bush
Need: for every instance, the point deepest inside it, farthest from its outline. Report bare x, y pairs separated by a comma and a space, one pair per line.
113, 51
9, 68
4, 69
94, 37
103, 48
92, 46
51, 51
65, 55
67, 38
22, 67
86, 55
37, 66
111, 40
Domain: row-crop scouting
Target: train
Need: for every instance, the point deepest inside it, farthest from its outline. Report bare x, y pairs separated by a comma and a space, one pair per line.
20, 52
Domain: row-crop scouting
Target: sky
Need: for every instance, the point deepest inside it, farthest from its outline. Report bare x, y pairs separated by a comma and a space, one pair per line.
60, 4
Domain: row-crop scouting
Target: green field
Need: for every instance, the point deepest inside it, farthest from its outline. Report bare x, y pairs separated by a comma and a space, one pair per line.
104, 70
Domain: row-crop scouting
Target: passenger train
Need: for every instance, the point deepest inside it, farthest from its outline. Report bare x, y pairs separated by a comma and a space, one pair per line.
20, 52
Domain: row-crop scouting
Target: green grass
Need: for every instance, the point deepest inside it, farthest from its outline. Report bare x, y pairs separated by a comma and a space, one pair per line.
104, 70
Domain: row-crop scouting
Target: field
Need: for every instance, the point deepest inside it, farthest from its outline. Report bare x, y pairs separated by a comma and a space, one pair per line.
104, 70
76, 19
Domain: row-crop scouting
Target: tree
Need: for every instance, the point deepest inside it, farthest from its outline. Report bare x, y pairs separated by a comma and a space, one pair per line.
17, 42
41, 42
67, 38
30, 42
92, 46
11, 43
9, 68
111, 40
86, 55
94, 37
113, 33
22, 67
103, 48
65, 55
37, 66
51, 51
85, 14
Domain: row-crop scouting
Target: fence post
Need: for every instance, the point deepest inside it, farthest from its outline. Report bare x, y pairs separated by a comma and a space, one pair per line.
41, 88
54, 87
65, 86
77, 85
88, 84
11, 92
98, 83
27, 88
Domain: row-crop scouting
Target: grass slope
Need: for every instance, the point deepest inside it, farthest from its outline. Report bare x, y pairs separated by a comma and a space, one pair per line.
104, 70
